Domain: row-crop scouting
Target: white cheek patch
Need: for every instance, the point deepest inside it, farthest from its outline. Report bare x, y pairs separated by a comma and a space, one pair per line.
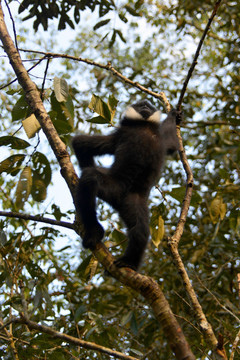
130, 113
155, 117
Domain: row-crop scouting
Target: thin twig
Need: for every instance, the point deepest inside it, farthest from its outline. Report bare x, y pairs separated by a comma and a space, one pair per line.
13, 24
234, 345
28, 70
194, 63
10, 339
218, 302
160, 96
44, 78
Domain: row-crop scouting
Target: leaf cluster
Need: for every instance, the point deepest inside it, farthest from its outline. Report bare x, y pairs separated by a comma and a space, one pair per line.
43, 11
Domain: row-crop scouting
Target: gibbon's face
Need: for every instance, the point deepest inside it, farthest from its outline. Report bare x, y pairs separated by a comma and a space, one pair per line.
142, 110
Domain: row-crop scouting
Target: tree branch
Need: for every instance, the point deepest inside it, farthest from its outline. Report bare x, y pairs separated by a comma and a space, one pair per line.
194, 63
71, 339
211, 34
160, 96
151, 291
10, 339
37, 218
173, 242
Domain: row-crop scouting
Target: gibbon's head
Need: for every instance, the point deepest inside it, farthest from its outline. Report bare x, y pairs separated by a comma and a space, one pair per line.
142, 110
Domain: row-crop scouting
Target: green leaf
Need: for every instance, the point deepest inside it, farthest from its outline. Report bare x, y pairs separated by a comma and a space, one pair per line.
123, 17
39, 190
14, 142
100, 107
178, 193
112, 105
41, 168
79, 312
41, 176
132, 11
21, 110
16, 303
98, 120
126, 318
68, 109
62, 126
3, 238
113, 38
101, 23
196, 198
120, 34
12, 164
138, 4
133, 324
118, 236
62, 111
81, 270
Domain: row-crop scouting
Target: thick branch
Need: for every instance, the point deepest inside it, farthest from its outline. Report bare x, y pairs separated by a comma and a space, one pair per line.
34, 100
150, 290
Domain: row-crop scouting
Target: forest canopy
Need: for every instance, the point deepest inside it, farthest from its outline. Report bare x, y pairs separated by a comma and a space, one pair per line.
71, 67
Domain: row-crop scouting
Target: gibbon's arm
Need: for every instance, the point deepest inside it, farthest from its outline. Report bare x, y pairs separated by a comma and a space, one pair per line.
88, 146
169, 134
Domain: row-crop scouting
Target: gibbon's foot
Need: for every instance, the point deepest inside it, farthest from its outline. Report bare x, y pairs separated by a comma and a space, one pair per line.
93, 236
124, 261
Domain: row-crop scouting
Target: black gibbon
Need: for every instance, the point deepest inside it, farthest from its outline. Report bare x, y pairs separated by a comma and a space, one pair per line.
139, 146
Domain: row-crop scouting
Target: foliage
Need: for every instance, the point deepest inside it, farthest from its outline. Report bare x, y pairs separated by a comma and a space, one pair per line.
64, 287
42, 11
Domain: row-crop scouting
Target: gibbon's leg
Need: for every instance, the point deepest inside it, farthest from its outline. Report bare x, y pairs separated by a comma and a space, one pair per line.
92, 183
134, 212
86, 207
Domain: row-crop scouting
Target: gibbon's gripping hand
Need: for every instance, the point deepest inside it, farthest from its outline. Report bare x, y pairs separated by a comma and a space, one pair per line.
179, 116
93, 236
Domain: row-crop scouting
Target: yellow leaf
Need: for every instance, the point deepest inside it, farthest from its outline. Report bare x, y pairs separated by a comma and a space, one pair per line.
217, 209
31, 126
24, 187
158, 232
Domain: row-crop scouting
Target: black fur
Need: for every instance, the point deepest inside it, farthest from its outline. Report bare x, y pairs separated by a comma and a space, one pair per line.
139, 146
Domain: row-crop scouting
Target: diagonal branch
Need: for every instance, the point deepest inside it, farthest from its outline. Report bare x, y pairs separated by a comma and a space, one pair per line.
34, 100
